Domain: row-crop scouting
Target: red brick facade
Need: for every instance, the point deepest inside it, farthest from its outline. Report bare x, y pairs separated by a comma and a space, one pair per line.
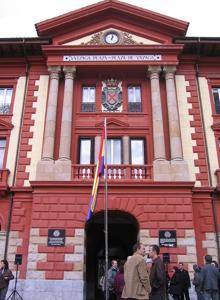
188, 203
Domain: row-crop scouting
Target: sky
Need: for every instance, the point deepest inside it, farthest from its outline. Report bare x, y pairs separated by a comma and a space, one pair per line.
17, 17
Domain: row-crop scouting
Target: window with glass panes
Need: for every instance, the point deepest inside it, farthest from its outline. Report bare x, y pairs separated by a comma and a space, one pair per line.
5, 100
85, 155
2, 151
88, 99
216, 95
137, 152
114, 151
134, 99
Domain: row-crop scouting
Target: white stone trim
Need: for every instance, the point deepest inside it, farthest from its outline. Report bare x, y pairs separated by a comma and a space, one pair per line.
2, 243
209, 133
210, 245
33, 255
186, 130
38, 127
16, 121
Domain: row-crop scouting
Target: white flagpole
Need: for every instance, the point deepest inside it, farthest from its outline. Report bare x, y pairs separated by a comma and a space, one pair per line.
106, 217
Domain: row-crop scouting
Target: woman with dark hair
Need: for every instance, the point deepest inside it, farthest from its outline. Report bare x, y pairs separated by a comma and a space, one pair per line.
175, 284
5, 276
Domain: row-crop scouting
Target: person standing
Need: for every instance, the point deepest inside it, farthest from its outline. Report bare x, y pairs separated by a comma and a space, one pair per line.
119, 282
111, 278
157, 275
209, 280
184, 275
137, 283
5, 276
197, 282
175, 284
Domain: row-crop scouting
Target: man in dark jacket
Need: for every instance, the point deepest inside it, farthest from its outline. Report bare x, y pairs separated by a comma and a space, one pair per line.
111, 278
157, 275
197, 282
184, 276
209, 280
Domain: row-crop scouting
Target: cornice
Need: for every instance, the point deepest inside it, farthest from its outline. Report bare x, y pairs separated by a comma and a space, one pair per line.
93, 49
51, 27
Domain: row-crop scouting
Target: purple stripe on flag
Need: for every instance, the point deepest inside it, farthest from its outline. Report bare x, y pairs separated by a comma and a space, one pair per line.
89, 215
102, 166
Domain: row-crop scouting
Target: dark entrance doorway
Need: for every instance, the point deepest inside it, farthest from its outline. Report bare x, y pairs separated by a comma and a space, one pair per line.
123, 230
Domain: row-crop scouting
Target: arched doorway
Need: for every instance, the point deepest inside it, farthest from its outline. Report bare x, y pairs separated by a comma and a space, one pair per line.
123, 231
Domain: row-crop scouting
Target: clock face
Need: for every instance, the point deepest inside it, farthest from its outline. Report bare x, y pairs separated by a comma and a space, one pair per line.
111, 38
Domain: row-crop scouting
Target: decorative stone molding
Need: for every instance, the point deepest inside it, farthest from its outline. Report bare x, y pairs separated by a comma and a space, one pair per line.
54, 72
125, 38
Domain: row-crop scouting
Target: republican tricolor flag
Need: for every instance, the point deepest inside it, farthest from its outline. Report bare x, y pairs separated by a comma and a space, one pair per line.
98, 172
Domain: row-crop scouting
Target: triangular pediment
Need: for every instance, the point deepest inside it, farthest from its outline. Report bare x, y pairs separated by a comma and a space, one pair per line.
4, 125
124, 38
140, 25
113, 123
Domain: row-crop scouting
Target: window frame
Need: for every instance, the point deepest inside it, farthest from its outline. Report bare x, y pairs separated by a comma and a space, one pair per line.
89, 104
8, 86
81, 138
121, 146
134, 86
144, 148
5, 151
217, 112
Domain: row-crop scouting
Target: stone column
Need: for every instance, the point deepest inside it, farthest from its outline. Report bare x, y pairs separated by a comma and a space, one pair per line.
158, 132
174, 128
125, 141
66, 125
179, 168
63, 164
50, 126
45, 167
160, 165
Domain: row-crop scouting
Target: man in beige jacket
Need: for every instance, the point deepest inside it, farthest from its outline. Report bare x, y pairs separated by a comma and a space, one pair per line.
137, 283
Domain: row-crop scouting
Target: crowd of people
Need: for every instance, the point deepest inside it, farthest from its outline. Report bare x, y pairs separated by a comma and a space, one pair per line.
141, 278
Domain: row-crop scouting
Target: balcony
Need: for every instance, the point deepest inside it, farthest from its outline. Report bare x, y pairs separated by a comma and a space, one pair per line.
115, 172
4, 179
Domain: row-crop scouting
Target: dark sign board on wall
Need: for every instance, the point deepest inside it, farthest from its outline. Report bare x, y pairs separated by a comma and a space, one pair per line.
167, 238
56, 237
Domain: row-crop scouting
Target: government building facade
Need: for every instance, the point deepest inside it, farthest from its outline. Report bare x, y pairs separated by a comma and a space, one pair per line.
159, 92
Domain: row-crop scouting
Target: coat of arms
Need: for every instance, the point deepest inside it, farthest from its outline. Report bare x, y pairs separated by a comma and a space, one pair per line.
111, 95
